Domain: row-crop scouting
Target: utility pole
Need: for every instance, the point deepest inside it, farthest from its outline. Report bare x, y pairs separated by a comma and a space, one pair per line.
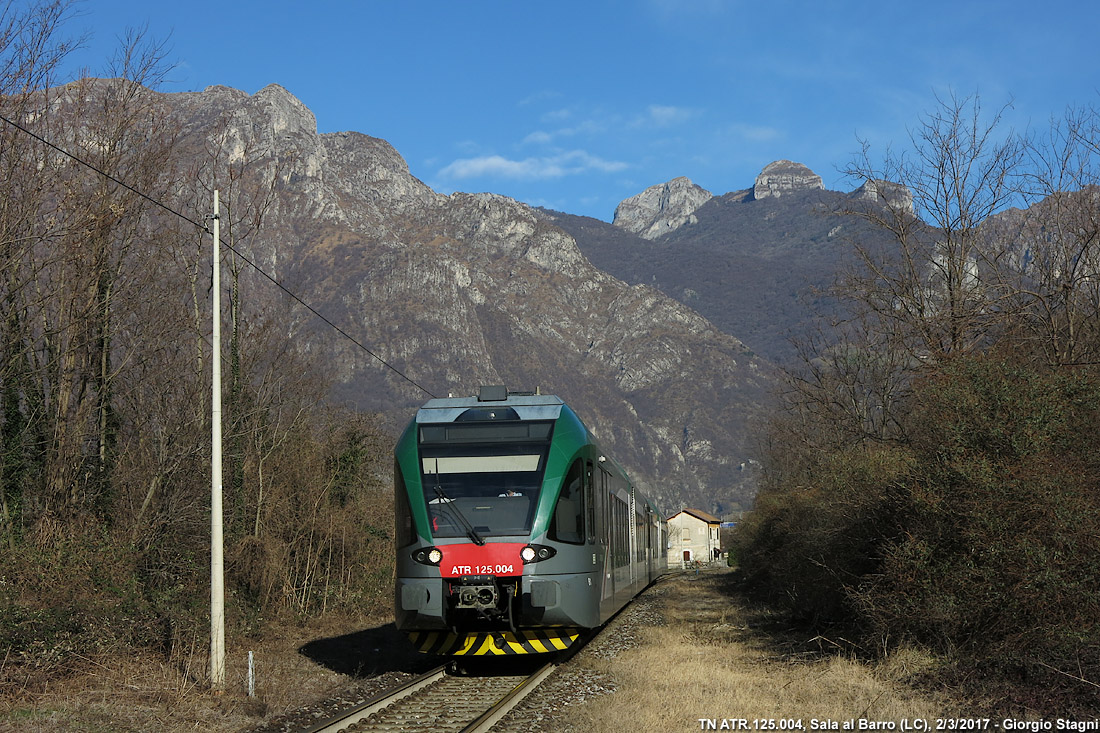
217, 579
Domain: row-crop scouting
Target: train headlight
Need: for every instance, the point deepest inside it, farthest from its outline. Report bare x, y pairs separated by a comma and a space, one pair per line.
535, 553
428, 555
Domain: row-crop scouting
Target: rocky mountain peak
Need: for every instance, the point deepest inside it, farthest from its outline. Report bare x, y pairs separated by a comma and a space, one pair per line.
785, 176
894, 195
662, 208
286, 112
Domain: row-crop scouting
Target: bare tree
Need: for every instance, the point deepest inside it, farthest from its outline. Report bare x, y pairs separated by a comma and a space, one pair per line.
931, 285
1052, 271
118, 128
848, 383
929, 293
31, 49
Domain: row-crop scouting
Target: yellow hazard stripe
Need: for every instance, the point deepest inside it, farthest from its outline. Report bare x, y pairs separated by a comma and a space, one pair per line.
429, 642
557, 641
536, 642
465, 644
530, 641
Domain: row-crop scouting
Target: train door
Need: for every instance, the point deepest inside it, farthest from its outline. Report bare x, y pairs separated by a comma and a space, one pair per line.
591, 528
620, 545
614, 543
603, 517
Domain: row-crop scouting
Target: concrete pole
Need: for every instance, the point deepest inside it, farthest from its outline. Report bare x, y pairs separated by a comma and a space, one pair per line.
217, 580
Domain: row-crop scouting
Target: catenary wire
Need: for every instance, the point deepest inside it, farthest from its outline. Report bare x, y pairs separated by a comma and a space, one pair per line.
225, 244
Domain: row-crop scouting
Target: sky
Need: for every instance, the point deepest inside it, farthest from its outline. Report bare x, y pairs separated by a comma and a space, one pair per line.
577, 105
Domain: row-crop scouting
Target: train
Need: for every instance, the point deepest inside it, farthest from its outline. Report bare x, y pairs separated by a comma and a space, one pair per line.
515, 532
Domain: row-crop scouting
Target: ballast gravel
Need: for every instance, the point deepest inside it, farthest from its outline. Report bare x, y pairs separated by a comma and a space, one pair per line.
542, 711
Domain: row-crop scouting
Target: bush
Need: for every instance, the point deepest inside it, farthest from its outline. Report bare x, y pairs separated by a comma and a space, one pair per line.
62, 599
978, 535
999, 555
805, 546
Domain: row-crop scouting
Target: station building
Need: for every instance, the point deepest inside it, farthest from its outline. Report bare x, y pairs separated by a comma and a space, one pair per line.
693, 536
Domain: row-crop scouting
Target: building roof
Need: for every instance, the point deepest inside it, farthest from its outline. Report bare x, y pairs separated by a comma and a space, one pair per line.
699, 514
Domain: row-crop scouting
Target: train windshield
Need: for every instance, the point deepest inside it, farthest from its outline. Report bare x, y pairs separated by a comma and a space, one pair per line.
483, 479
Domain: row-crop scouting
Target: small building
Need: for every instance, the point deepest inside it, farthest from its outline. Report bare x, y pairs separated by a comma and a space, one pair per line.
693, 535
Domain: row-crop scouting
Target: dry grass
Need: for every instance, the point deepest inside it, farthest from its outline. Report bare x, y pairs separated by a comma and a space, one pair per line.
142, 692
707, 663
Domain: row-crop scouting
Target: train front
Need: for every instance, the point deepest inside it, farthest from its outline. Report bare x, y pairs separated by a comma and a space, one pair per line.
469, 494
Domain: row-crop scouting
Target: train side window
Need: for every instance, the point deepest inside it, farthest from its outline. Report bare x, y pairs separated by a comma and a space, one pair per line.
568, 521
622, 532
404, 533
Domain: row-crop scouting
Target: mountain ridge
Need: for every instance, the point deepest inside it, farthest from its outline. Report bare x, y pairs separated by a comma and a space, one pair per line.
758, 266
467, 289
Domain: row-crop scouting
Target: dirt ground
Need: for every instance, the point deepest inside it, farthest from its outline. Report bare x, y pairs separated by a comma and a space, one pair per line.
687, 657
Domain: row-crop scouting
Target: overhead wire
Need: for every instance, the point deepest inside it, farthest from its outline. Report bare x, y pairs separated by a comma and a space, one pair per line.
294, 296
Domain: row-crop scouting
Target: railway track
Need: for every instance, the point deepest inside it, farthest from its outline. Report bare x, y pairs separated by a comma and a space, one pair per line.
438, 701
443, 700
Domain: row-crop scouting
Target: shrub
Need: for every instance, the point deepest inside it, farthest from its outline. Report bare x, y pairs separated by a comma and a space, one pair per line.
806, 545
999, 554
64, 598
978, 535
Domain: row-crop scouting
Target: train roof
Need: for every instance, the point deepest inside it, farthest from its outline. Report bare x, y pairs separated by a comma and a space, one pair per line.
525, 405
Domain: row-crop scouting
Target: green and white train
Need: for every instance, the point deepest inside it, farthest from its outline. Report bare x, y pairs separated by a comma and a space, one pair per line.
515, 531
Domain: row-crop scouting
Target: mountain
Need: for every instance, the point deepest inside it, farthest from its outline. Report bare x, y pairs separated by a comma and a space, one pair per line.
661, 209
754, 262
468, 289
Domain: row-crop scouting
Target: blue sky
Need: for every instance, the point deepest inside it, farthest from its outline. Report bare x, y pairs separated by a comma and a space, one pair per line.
578, 105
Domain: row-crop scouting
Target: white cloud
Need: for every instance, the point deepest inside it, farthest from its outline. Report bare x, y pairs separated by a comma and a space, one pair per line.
539, 97
664, 115
573, 162
585, 127
557, 115
755, 133
539, 137
469, 147
565, 123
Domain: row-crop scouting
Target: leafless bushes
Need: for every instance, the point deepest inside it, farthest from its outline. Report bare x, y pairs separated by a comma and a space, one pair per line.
104, 373
933, 476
